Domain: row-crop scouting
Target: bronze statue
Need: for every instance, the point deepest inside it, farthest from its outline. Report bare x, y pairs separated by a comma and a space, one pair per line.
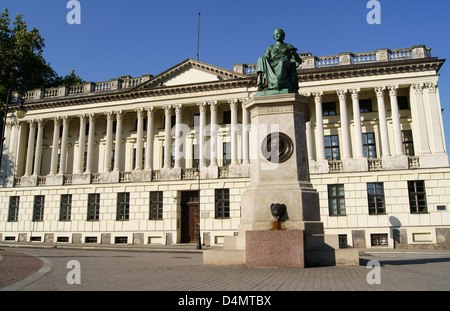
279, 213
277, 69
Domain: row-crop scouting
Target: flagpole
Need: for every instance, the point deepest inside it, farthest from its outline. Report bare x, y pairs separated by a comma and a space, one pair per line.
198, 36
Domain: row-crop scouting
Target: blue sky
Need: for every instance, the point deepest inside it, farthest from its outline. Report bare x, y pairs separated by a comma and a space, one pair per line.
139, 37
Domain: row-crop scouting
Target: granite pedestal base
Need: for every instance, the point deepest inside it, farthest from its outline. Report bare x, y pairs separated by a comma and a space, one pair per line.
275, 248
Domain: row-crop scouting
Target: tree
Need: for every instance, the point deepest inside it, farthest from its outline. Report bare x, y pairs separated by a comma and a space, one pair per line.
22, 66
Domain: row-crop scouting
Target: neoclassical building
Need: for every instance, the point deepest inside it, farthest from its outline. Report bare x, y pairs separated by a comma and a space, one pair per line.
161, 159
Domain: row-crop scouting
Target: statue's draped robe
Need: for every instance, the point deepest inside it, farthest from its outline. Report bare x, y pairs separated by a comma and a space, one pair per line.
279, 71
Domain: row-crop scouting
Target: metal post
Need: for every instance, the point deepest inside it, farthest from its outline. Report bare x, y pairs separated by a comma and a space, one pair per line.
199, 240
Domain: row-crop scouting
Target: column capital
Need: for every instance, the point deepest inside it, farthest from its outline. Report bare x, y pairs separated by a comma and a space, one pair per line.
202, 106
91, 117
417, 87
119, 114
380, 90
355, 93
243, 100
150, 111
140, 112
393, 89
82, 117
317, 96
233, 103
109, 115
65, 120
431, 87
56, 121
178, 108
213, 105
342, 94
167, 109
32, 123
41, 122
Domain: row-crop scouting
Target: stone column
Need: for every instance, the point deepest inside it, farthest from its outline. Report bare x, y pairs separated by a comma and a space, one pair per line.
167, 136
233, 130
108, 148
150, 134
385, 149
140, 138
320, 143
435, 113
419, 118
30, 149
357, 124
214, 129
38, 155
54, 159
178, 143
245, 134
201, 144
310, 141
65, 136
345, 128
119, 119
81, 144
91, 140
396, 120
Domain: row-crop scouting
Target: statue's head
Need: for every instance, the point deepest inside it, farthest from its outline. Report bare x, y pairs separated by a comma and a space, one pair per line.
278, 34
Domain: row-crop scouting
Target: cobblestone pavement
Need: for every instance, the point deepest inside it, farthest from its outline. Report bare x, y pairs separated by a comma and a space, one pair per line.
182, 270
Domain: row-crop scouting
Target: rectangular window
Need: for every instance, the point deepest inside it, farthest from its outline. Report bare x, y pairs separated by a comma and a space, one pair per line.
332, 147
156, 205
369, 147
365, 105
123, 206
375, 195
13, 213
408, 145
403, 103
93, 209
143, 158
226, 155
222, 200
379, 239
329, 108
226, 117
195, 156
417, 196
336, 200
65, 208
38, 208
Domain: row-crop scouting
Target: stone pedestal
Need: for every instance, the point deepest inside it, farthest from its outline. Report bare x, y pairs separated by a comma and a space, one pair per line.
277, 248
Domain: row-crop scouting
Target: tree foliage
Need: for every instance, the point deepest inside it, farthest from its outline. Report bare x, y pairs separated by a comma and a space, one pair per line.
22, 65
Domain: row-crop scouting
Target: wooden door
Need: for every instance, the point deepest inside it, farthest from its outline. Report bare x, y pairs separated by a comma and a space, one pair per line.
189, 217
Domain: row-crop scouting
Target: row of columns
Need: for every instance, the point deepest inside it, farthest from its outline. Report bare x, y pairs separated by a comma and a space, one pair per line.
34, 149
345, 125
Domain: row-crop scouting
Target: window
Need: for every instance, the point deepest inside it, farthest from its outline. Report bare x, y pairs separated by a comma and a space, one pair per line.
113, 157
375, 195
369, 147
93, 209
336, 200
365, 105
417, 196
379, 239
195, 156
332, 147
226, 117
408, 145
342, 240
156, 205
134, 157
38, 208
123, 206
222, 199
329, 108
403, 103
13, 213
65, 207
226, 155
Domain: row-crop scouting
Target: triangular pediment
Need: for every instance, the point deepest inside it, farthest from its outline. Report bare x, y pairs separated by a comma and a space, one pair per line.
190, 72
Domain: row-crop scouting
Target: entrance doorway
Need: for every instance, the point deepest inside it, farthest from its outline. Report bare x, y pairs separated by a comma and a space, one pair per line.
190, 211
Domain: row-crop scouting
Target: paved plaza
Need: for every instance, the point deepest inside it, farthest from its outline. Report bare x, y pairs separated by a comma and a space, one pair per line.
180, 268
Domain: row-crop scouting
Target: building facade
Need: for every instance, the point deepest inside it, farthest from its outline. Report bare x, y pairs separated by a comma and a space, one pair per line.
160, 159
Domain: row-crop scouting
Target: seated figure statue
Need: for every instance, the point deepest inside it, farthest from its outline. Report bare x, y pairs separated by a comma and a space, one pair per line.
277, 69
